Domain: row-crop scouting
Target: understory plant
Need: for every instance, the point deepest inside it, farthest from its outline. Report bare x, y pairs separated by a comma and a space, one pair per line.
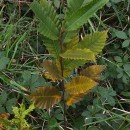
18, 122
69, 51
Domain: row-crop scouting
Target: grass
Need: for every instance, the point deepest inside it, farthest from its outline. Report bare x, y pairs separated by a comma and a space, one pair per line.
22, 50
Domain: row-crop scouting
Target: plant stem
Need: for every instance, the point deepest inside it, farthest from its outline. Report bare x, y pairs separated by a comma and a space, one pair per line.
62, 82
62, 69
64, 105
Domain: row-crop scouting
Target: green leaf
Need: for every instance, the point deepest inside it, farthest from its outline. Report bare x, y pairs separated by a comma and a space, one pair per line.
53, 47
80, 85
79, 123
103, 92
52, 69
93, 128
118, 59
116, 1
100, 116
3, 62
126, 43
9, 104
53, 123
126, 67
78, 54
2, 109
59, 116
45, 97
37, 81
111, 92
111, 101
125, 79
129, 32
73, 6
26, 75
3, 97
89, 118
121, 35
120, 75
48, 19
95, 41
57, 3
127, 127
81, 15
32, 81
126, 94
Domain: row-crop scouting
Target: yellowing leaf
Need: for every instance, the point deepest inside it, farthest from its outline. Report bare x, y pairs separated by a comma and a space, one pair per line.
80, 84
66, 72
93, 72
45, 97
68, 36
95, 42
4, 122
49, 77
52, 70
78, 54
71, 99
71, 64
74, 42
